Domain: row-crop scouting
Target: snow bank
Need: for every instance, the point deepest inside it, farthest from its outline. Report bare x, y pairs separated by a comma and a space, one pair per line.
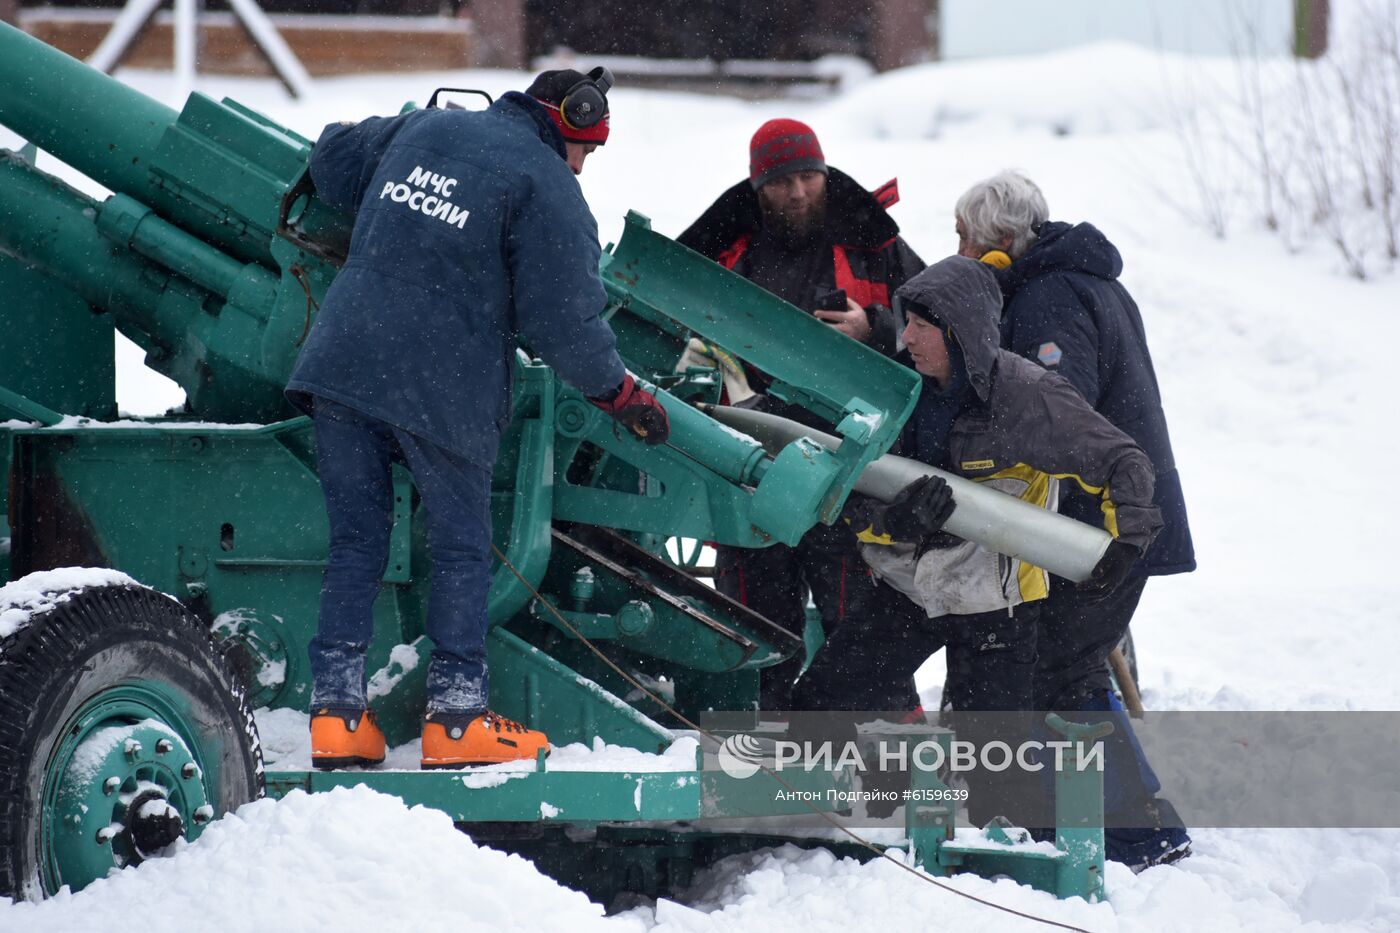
1276, 372
351, 859
789, 889
38, 592
1244, 881
1102, 88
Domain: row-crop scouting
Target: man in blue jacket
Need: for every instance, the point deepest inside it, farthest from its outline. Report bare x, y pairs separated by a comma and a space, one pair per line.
1066, 310
470, 231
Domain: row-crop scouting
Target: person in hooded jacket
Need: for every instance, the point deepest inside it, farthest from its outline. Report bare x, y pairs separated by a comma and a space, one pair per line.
1067, 310
991, 416
470, 230
814, 237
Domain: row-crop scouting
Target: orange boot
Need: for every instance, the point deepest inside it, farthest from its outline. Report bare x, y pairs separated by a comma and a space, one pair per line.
344, 737
453, 740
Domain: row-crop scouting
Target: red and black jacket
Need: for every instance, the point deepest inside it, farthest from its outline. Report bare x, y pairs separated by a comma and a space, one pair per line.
869, 259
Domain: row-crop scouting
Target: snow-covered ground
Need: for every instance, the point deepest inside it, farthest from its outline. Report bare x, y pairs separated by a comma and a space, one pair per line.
1275, 368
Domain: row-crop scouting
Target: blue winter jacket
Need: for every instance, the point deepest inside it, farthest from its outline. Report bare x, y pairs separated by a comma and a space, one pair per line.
1065, 309
470, 229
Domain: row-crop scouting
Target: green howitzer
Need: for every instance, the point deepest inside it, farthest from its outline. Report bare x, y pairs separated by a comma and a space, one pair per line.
212, 254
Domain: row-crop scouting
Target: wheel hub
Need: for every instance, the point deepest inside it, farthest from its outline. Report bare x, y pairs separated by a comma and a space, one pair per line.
153, 823
263, 644
127, 791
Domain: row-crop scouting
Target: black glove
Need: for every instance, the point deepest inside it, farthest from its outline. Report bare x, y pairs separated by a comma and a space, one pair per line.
917, 512
1111, 570
638, 411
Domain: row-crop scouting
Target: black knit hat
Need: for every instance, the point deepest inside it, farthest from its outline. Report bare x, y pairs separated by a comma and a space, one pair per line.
550, 89
551, 86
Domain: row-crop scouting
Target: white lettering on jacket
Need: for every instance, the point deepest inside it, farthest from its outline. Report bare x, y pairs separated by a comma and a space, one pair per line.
434, 205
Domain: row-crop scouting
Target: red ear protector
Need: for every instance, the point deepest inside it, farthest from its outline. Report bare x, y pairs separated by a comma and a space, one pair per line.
586, 103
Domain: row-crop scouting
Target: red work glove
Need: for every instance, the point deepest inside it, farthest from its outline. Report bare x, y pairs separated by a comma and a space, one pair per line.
638, 411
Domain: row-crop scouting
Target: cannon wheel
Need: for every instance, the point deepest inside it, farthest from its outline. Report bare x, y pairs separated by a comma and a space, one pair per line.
687, 552
122, 729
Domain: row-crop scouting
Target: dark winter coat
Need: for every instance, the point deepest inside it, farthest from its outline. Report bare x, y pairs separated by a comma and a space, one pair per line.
1066, 309
869, 259
1024, 414
470, 228
1018, 428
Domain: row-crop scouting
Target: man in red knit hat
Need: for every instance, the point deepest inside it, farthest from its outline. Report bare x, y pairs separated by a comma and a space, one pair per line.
817, 239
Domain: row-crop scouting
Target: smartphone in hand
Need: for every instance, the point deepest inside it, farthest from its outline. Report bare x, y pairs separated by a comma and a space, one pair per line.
834, 300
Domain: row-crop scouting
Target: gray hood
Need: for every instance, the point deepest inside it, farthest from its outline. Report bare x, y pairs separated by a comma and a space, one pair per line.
964, 294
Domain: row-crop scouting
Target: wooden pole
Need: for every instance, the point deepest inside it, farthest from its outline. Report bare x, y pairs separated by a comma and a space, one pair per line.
1126, 685
498, 28
901, 33
1310, 27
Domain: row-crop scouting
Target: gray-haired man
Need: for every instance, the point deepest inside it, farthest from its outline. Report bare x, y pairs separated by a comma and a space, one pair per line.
1066, 310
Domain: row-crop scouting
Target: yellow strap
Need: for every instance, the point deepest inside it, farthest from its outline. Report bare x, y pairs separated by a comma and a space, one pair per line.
1107, 505
868, 536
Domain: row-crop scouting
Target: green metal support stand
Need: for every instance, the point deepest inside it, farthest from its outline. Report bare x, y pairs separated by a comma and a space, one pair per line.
1079, 811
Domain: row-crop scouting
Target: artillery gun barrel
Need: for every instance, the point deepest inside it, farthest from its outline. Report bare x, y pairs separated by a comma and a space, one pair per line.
190, 305
186, 253
218, 171
77, 114
50, 226
993, 519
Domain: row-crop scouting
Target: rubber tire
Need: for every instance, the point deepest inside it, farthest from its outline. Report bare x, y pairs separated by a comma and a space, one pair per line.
98, 638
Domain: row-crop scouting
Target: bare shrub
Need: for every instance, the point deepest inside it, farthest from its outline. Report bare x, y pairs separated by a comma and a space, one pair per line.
1199, 134
1319, 143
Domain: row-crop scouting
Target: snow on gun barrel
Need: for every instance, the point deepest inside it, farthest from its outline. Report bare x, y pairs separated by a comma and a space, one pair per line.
986, 516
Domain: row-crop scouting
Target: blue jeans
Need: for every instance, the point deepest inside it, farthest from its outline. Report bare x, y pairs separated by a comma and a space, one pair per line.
353, 454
